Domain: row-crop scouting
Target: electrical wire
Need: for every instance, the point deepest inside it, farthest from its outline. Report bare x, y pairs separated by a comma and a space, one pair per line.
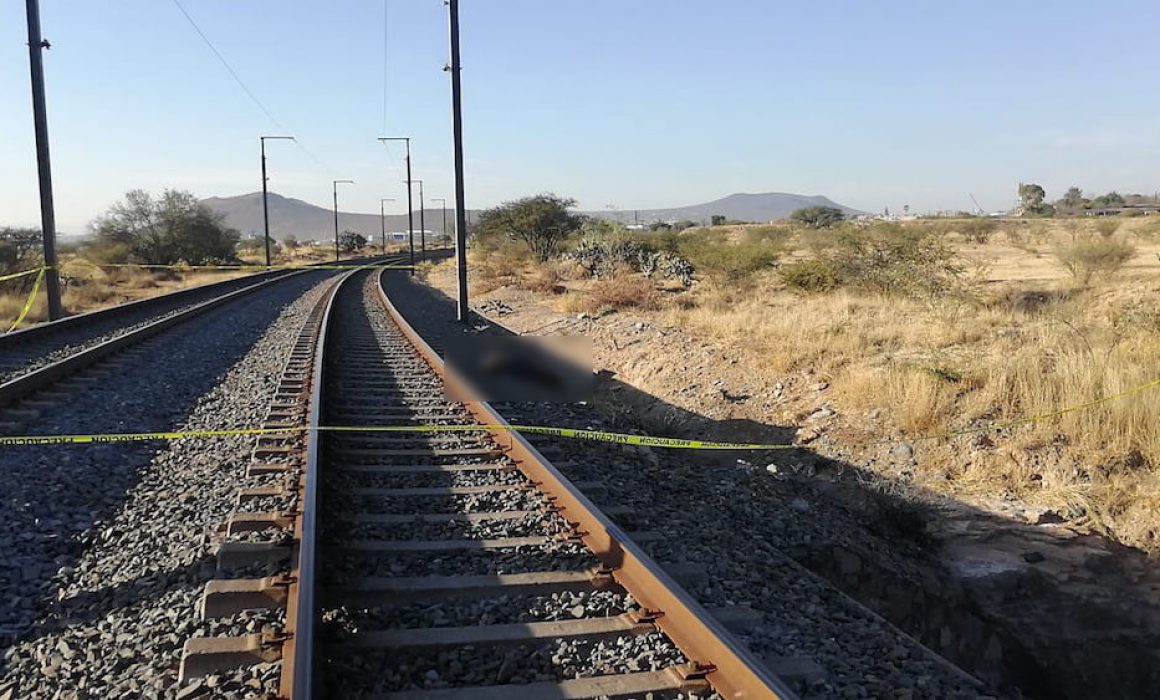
245, 88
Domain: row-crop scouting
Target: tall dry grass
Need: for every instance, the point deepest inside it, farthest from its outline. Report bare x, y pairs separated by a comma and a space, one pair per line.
914, 367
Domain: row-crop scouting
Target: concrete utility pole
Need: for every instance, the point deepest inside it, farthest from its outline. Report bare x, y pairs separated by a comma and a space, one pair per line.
410, 206
265, 204
36, 45
463, 312
336, 184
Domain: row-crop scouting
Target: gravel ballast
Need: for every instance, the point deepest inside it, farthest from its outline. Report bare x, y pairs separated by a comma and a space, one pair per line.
39, 347
737, 522
107, 547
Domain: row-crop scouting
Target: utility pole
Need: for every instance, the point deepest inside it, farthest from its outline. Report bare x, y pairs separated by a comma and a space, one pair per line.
443, 206
422, 224
36, 45
410, 206
463, 312
335, 184
383, 221
265, 205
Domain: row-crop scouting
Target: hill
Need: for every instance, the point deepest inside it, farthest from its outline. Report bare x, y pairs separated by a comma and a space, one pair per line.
305, 221
759, 208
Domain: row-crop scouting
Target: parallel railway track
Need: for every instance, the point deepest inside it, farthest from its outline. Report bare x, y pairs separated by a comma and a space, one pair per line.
37, 357
25, 350
442, 564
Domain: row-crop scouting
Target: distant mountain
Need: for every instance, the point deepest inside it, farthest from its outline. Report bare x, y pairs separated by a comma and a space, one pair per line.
305, 221
758, 208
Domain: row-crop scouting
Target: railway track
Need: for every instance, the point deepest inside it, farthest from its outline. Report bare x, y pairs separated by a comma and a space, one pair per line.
442, 564
37, 357
26, 350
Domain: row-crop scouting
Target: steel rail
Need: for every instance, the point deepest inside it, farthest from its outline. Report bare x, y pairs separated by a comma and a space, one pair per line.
33, 333
298, 648
730, 669
49, 374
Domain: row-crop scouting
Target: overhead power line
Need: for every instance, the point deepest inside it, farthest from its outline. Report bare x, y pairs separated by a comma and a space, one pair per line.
242, 84
386, 62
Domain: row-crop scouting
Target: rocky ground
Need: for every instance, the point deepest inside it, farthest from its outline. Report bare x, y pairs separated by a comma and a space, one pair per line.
1013, 593
736, 523
107, 547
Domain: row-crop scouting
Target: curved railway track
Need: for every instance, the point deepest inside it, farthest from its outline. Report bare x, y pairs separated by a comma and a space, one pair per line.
37, 357
441, 564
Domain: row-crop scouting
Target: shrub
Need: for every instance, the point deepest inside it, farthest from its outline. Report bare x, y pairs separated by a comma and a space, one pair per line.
601, 256
810, 276
622, 290
818, 217
174, 227
350, 241
19, 249
886, 259
977, 231
726, 262
1106, 227
1094, 257
542, 222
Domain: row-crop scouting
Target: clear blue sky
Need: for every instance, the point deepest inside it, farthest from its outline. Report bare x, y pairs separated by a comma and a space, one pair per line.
637, 104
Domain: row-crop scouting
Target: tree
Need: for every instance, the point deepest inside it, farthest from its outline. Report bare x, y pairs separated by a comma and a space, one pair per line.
542, 222
1072, 201
291, 242
818, 217
349, 241
174, 227
1031, 198
717, 220
19, 249
1106, 201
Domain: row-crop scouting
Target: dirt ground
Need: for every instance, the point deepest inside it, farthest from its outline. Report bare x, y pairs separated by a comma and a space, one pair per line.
993, 542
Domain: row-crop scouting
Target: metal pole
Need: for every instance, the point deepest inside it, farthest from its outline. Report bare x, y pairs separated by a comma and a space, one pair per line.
410, 211
422, 224
462, 311
265, 205
335, 184
410, 206
37, 44
383, 219
443, 205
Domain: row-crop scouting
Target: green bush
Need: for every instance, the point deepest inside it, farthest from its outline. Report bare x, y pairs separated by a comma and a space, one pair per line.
1094, 257
818, 217
727, 262
810, 276
885, 259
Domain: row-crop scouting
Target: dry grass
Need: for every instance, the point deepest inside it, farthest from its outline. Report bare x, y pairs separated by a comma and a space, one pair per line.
1034, 346
1027, 341
87, 288
623, 290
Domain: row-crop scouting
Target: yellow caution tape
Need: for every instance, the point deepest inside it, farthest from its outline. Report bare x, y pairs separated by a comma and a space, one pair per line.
245, 268
112, 438
571, 433
29, 302
18, 275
